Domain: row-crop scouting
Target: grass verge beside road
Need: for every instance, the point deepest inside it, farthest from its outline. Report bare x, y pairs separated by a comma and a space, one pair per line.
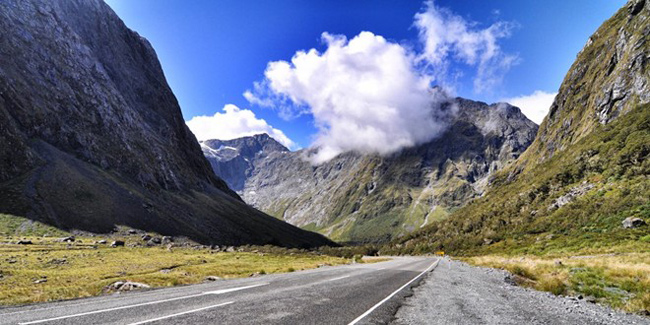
620, 280
49, 270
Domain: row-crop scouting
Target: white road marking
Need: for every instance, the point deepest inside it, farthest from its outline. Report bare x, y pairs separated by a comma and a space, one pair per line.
356, 320
183, 313
218, 292
143, 304
339, 278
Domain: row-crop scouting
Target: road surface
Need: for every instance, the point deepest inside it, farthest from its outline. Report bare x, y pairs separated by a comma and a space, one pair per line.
350, 294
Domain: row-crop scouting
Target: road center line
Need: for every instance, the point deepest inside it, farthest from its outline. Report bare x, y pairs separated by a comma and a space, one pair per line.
339, 278
183, 313
222, 291
356, 320
142, 304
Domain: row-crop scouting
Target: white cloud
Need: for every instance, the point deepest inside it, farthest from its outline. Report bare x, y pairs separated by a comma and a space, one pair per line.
535, 106
234, 123
371, 95
447, 37
364, 94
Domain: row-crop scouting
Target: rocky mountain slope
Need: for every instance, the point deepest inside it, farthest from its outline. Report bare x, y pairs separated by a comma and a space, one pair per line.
370, 198
234, 160
92, 137
587, 171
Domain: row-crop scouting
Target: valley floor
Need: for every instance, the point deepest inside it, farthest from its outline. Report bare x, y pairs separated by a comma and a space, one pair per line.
456, 293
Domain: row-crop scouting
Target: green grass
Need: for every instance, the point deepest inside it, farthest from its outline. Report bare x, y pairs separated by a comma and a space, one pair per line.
17, 226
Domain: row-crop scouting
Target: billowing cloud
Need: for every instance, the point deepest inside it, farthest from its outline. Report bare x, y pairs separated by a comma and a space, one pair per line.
535, 106
448, 38
364, 94
234, 123
371, 95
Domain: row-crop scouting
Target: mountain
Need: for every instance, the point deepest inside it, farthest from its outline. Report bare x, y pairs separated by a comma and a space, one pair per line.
587, 170
369, 198
233, 160
92, 137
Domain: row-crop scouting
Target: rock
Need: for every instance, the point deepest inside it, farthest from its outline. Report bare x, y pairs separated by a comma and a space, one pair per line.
230, 249
635, 6
632, 222
125, 286
146, 237
573, 193
58, 261
212, 278
132, 231
559, 263
69, 239
43, 280
487, 241
102, 242
156, 240
117, 243
24, 242
167, 239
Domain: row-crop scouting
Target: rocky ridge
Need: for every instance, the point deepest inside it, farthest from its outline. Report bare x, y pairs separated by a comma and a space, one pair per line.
369, 198
234, 160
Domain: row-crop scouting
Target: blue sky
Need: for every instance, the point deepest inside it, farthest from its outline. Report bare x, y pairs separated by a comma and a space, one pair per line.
214, 51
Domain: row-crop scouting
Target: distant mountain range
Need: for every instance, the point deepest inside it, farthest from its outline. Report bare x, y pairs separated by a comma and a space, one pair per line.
491, 181
92, 137
370, 198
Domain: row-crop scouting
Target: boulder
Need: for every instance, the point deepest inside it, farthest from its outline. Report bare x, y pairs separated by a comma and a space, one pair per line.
117, 243
125, 286
69, 239
156, 240
146, 237
167, 239
103, 242
632, 222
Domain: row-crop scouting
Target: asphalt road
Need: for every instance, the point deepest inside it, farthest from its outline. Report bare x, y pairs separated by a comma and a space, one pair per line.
350, 294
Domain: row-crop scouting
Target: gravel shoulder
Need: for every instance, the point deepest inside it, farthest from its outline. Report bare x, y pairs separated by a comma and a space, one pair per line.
457, 293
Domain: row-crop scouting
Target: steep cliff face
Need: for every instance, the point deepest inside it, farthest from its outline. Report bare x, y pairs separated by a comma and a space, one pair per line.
587, 170
609, 78
234, 160
91, 135
369, 198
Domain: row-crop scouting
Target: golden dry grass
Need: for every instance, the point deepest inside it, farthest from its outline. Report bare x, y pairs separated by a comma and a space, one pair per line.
620, 280
83, 269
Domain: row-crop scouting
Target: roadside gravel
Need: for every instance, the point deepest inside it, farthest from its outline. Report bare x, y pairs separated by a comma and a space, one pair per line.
456, 293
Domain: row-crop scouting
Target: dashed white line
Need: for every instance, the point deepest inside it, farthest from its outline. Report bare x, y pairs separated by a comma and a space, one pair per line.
339, 278
183, 313
143, 304
222, 291
356, 320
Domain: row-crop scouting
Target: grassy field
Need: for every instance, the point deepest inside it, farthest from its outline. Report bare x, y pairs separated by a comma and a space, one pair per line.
83, 269
621, 280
